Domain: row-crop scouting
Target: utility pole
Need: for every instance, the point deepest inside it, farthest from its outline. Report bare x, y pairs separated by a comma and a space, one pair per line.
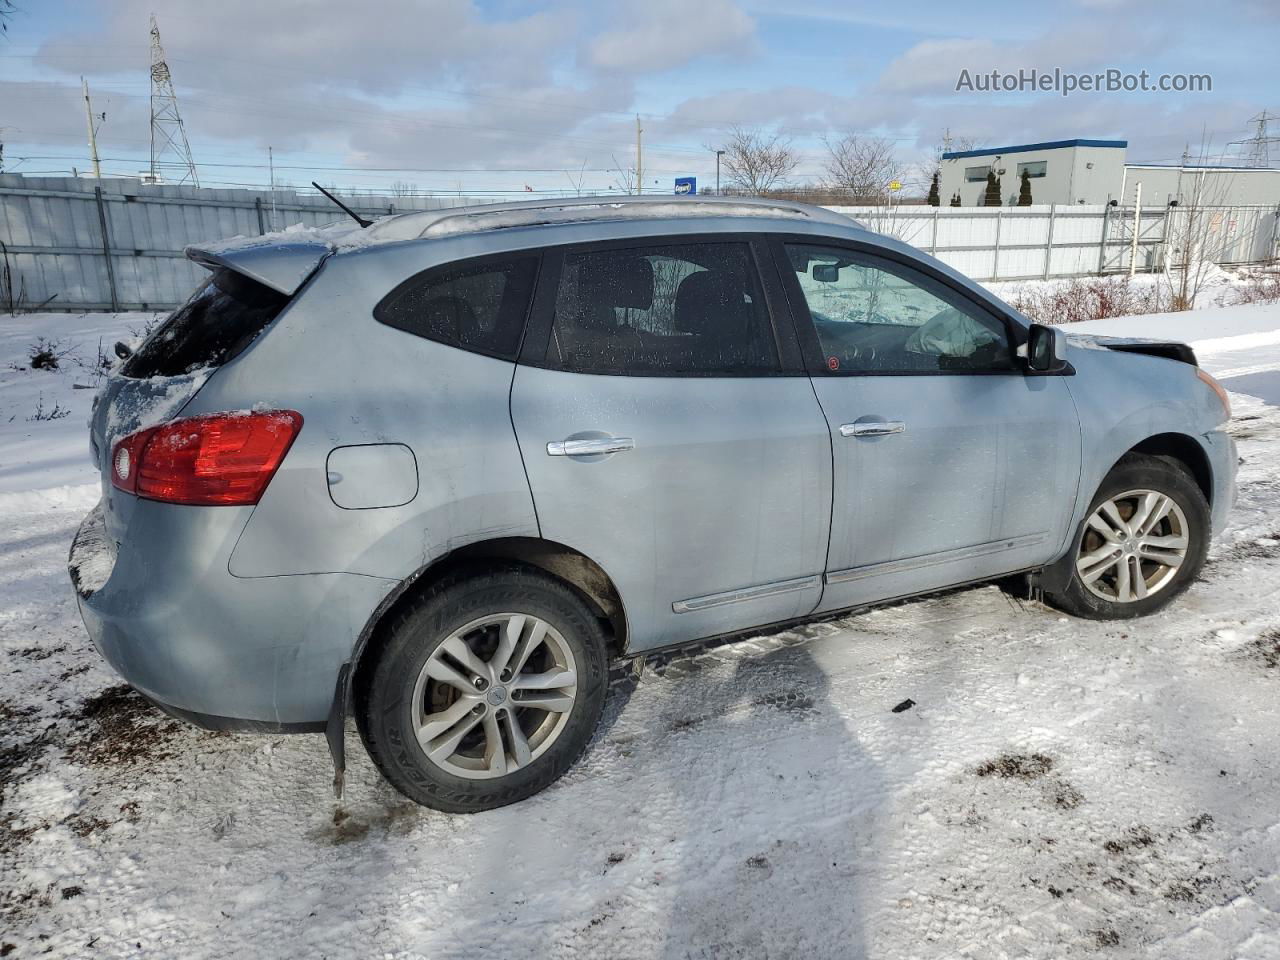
719, 154
1137, 225
271, 165
93, 134
639, 158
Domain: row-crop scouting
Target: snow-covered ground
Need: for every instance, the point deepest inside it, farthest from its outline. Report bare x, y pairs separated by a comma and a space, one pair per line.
1059, 789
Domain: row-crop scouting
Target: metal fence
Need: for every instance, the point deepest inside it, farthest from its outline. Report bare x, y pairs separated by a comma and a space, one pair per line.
1054, 240
74, 244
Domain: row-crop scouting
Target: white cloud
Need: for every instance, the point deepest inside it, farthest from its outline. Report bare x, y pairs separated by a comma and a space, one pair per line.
658, 35
932, 66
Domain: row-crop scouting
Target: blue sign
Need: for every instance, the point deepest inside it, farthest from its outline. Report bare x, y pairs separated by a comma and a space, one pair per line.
686, 185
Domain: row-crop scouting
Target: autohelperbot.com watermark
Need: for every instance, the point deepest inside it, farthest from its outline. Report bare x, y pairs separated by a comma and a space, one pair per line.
1065, 83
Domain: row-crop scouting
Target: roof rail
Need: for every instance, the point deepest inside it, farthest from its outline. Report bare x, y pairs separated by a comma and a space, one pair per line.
528, 213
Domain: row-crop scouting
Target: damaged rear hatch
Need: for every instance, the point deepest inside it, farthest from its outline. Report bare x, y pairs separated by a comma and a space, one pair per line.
250, 283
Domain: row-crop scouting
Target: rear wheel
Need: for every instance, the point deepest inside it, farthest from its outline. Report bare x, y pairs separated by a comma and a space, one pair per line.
1141, 545
486, 691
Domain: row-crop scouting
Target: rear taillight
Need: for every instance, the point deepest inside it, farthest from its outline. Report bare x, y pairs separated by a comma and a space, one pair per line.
216, 459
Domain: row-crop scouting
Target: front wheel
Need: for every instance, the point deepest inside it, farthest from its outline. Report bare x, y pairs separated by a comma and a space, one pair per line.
485, 691
1142, 543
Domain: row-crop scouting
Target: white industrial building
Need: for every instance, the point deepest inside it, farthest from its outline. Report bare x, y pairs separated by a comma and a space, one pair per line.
1095, 172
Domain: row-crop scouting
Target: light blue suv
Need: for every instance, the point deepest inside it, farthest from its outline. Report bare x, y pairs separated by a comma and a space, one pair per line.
437, 472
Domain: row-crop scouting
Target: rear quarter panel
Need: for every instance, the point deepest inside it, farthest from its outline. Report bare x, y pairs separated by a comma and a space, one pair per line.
356, 381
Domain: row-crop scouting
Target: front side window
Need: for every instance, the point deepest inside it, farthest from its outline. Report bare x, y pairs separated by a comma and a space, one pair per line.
479, 307
874, 317
662, 310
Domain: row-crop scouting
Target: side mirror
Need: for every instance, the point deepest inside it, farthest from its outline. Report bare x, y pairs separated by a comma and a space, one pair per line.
1046, 349
122, 350
826, 272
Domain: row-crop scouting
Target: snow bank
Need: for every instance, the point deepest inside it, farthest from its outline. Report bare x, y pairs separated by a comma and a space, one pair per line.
1211, 329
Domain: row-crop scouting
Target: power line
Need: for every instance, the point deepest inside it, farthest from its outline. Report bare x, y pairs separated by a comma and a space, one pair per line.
344, 169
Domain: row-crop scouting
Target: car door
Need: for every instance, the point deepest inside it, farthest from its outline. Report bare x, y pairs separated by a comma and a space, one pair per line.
952, 463
671, 435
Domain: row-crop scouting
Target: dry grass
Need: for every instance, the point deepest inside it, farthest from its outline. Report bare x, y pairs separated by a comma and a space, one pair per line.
1091, 298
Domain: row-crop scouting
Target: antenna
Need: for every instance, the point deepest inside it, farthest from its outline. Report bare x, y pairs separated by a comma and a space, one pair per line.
347, 210
168, 136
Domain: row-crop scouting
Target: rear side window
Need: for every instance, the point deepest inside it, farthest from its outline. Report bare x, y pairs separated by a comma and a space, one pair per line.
662, 310
223, 316
479, 307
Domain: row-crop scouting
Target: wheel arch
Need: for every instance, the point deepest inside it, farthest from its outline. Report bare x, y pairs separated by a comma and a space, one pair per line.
571, 567
1183, 448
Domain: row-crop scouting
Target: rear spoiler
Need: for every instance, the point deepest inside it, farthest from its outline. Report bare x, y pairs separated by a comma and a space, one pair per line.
279, 261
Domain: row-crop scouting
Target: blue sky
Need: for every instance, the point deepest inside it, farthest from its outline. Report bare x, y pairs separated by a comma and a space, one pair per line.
486, 97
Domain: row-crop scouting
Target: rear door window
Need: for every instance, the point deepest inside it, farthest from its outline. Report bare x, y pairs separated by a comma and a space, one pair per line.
662, 310
223, 316
478, 306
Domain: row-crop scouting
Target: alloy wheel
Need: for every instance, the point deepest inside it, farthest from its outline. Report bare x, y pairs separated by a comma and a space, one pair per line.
1133, 546
494, 696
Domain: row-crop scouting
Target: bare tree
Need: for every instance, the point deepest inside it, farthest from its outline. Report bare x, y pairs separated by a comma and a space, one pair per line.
954, 145
1195, 232
6, 12
577, 182
863, 166
757, 162
931, 162
402, 188
624, 177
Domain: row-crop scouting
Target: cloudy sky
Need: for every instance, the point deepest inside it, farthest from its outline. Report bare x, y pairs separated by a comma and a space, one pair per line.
493, 95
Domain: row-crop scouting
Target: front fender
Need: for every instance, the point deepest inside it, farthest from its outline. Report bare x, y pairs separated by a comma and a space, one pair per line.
1127, 398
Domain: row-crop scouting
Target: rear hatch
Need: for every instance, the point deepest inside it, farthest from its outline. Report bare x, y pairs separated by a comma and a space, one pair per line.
228, 311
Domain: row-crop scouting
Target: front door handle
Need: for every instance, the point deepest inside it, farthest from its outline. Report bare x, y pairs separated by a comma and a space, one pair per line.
589, 448
873, 428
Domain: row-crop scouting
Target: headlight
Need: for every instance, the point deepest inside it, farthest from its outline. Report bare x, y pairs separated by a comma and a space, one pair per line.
1217, 388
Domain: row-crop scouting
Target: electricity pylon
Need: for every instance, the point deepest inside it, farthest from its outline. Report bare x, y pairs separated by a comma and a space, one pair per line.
169, 147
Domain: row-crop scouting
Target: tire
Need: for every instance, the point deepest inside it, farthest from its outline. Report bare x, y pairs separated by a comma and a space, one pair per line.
1161, 581
457, 631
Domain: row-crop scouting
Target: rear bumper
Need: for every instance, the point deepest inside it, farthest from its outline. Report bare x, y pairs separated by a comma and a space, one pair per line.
220, 651
234, 724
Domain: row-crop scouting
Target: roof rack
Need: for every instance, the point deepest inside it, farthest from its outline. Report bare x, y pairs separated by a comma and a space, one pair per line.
527, 213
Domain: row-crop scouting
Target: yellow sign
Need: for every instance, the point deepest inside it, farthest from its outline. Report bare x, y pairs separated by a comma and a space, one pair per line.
895, 185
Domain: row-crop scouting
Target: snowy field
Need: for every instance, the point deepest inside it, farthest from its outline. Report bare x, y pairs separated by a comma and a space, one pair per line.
1060, 789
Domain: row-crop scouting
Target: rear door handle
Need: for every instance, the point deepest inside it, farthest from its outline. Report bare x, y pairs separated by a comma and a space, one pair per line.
872, 428
589, 448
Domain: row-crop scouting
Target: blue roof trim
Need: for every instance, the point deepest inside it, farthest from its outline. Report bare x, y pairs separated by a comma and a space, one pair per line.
1027, 147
